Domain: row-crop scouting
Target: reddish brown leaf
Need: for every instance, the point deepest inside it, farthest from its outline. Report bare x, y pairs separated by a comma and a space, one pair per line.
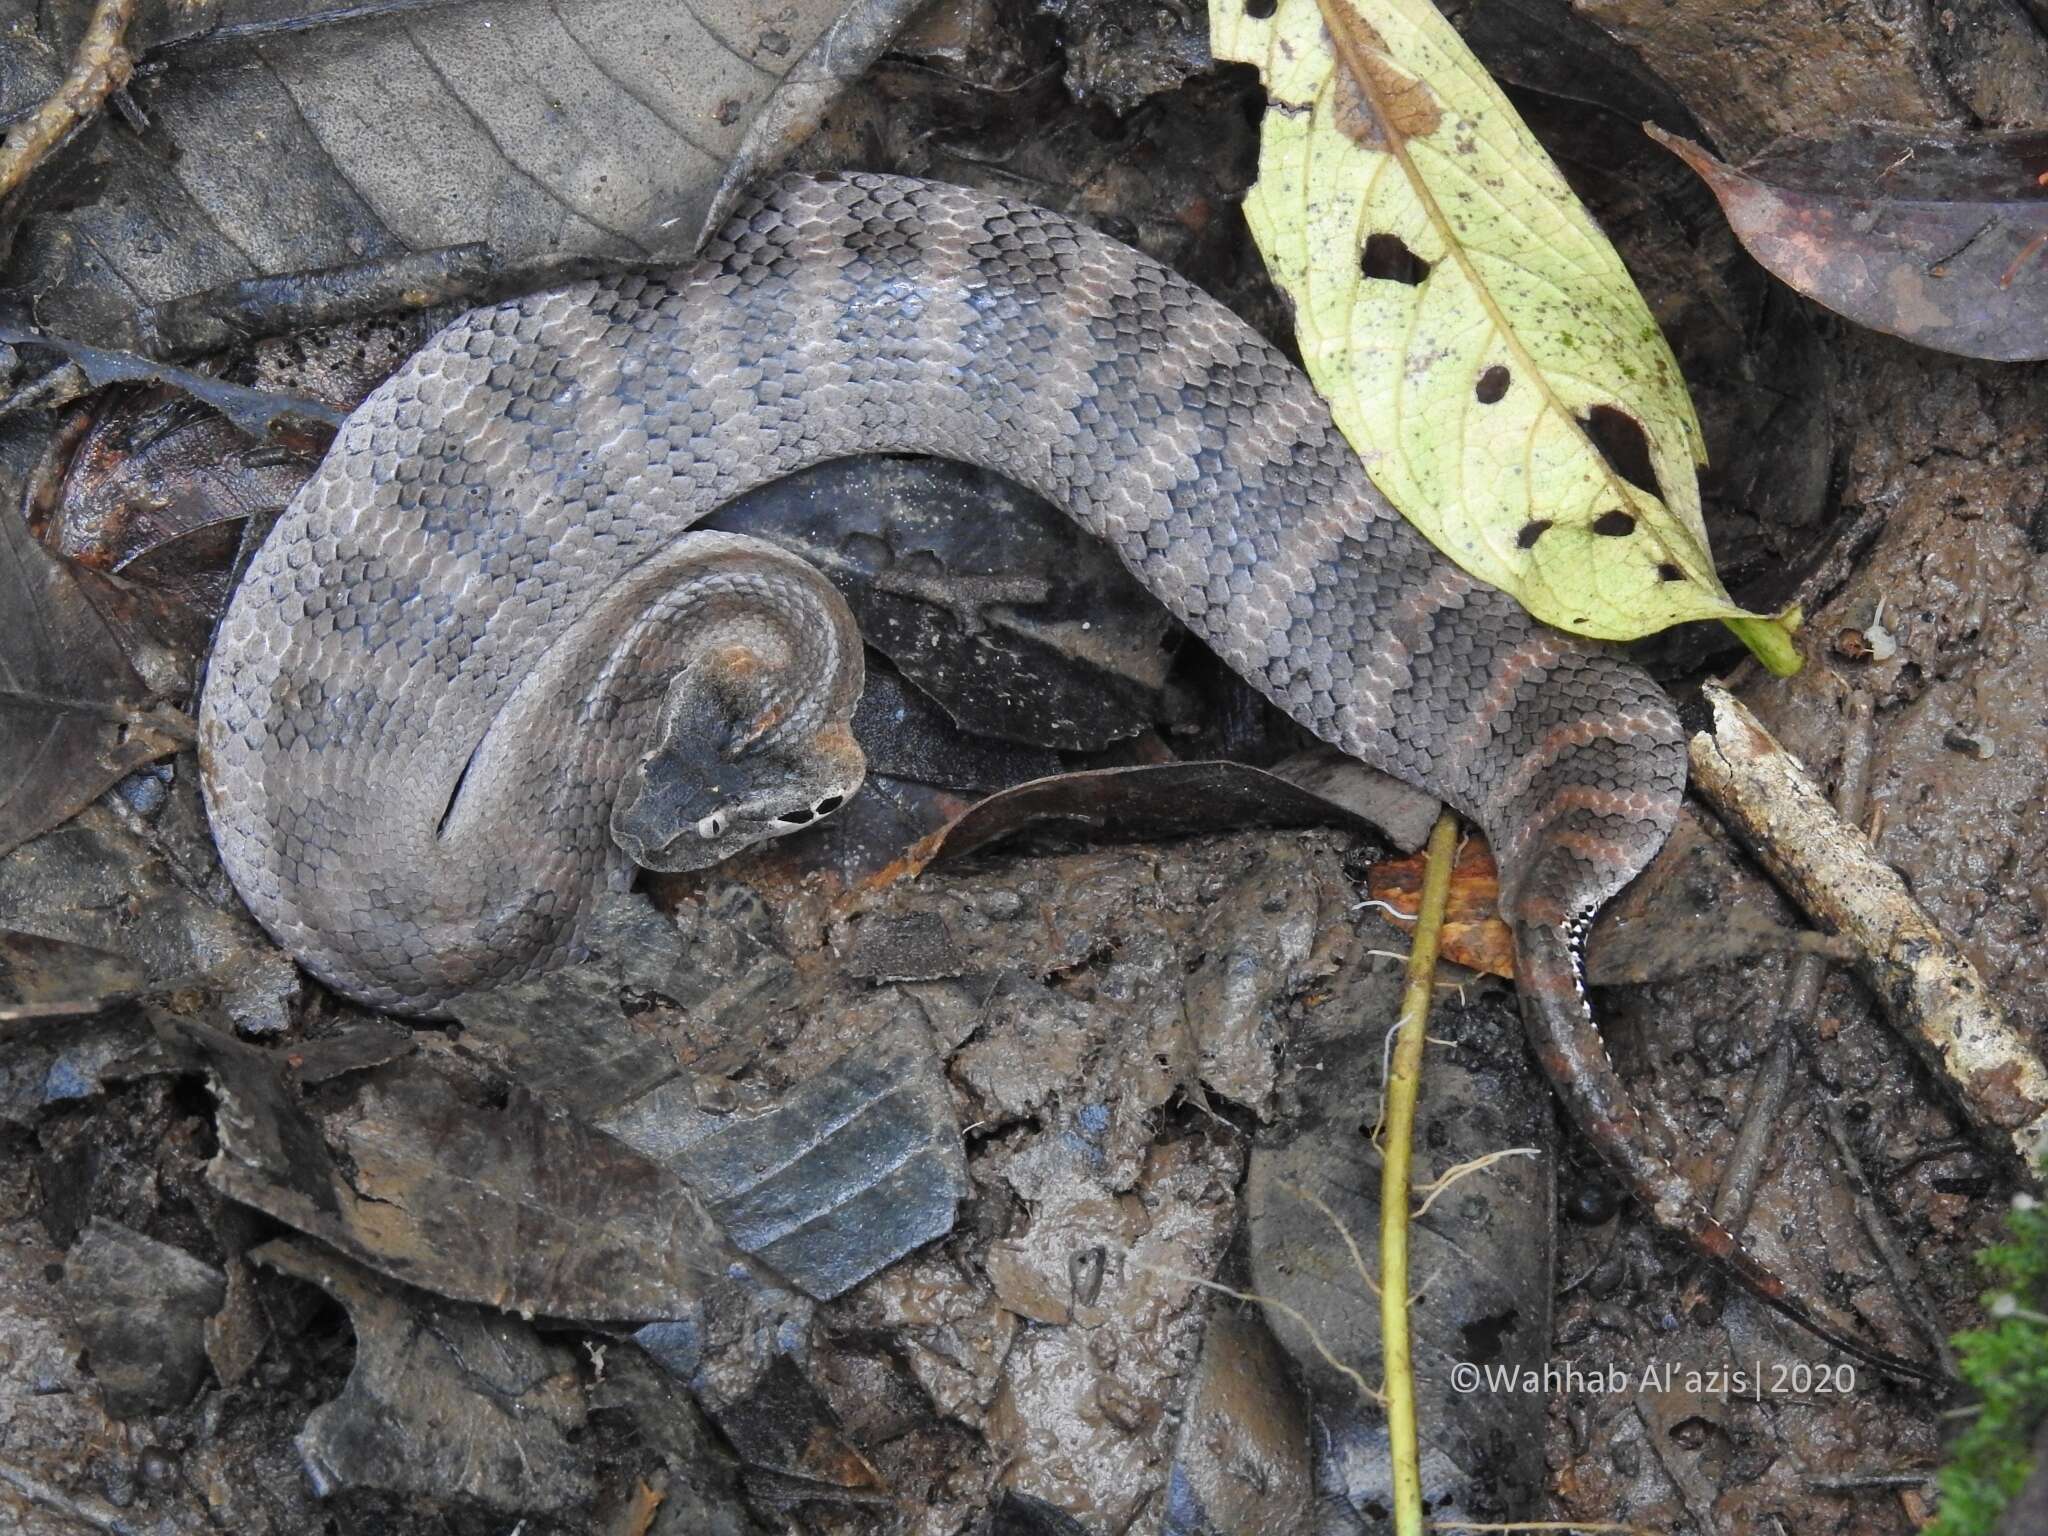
155, 488
1939, 239
1473, 934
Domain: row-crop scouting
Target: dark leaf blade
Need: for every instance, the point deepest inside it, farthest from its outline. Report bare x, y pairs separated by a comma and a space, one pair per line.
257, 412
855, 1167
1142, 803
1941, 240
42, 978
74, 715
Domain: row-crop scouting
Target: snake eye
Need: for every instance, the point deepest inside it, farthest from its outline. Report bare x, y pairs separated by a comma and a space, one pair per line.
711, 825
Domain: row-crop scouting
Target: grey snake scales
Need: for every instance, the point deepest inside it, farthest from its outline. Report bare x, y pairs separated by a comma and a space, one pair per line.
481, 665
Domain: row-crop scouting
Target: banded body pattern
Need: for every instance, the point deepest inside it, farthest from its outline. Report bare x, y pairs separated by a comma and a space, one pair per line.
499, 530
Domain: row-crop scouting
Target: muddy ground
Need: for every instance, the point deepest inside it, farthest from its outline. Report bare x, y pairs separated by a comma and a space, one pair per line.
1124, 1071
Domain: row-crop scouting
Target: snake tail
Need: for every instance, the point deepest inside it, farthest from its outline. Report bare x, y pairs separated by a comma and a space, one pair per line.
1549, 978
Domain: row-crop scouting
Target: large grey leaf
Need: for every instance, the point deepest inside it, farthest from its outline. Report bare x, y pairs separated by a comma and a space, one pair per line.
547, 129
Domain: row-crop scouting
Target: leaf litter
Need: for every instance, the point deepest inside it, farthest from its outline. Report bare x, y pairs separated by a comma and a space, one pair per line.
942, 1343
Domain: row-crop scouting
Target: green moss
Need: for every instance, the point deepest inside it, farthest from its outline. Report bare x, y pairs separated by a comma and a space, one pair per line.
2007, 1363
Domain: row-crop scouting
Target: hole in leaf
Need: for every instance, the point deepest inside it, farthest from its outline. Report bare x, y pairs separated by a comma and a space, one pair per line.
1388, 256
1622, 443
1669, 572
1492, 385
1614, 525
1532, 531
1260, 10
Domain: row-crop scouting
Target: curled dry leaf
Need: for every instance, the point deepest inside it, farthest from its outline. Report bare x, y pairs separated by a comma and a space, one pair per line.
1941, 239
155, 488
1480, 343
1473, 934
1141, 803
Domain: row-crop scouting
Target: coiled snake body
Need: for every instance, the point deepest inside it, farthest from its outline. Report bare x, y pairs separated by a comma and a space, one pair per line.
481, 665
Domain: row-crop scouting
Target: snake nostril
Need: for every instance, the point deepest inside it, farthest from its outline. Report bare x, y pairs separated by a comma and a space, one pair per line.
795, 818
830, 804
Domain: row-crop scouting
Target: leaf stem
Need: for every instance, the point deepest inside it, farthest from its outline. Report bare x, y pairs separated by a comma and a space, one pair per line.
1770, 640
1404, 1082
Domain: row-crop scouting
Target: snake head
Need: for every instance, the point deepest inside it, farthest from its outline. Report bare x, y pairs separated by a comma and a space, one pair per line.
723, 776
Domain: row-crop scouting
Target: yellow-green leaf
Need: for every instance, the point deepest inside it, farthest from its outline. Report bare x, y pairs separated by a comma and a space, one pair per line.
1478, 339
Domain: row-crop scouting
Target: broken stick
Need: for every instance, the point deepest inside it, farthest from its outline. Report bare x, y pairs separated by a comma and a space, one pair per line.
1926, 986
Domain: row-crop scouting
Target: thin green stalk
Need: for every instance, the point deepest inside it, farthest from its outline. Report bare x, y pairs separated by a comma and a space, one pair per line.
1404, 1082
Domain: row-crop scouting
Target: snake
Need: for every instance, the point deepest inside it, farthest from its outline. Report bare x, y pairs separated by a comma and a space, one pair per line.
483, 668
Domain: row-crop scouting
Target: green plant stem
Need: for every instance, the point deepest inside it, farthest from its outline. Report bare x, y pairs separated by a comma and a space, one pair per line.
1770, 641
1404, 1082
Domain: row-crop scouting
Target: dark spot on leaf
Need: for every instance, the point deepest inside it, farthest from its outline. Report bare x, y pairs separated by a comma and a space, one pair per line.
1485, 1337
1615, 524
1622, 443
1669, 572
1532, 531
1259, 10
1492, 384
1388, 256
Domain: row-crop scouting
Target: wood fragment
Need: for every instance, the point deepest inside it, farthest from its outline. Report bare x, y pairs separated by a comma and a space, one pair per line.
102, 66
1793, 1021
1928, 989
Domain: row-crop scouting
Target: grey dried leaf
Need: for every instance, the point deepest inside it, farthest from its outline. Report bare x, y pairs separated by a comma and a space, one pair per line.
445, 1401
476, 1195
547, 129
140, 1306
1482, 1251
855, 1167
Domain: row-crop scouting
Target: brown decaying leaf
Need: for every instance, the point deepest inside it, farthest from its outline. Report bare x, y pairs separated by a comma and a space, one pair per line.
431, 1179
42, 978
1473, 934
1941, 239
74, 716
155, 488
